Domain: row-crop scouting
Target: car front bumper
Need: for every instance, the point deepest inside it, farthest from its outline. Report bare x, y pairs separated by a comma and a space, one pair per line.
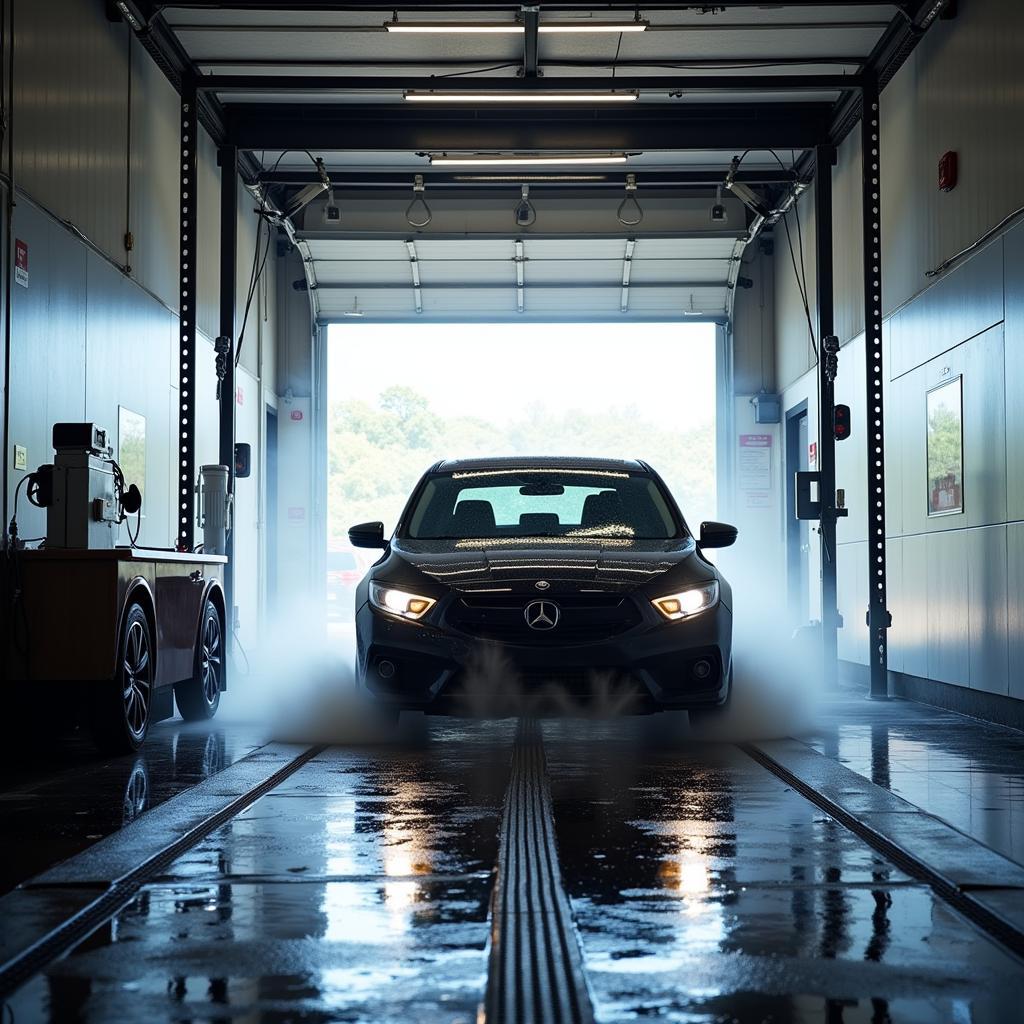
670, 665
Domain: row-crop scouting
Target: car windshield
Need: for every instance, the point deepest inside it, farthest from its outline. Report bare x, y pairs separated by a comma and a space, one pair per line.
568, 503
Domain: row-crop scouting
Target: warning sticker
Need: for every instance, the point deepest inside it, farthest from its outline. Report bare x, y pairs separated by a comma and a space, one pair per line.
21, 262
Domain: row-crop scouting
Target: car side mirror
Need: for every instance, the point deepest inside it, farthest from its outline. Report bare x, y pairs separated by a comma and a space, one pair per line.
367, 535
717, 535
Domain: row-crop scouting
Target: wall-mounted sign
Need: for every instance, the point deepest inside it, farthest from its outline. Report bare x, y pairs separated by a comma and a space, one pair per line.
21, 262
239, 395
812, 455
296, 514
754, 462
296, 415
946, 448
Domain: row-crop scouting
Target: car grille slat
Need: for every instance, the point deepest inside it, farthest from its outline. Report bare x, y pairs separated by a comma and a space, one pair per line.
584, 617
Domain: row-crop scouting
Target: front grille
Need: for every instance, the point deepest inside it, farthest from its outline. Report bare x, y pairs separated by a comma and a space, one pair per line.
584, 617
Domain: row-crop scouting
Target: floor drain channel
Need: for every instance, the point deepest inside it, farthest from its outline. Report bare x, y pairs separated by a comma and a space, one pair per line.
536, 971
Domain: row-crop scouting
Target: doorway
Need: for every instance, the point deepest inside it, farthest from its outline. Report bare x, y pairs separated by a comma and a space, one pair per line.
798, 531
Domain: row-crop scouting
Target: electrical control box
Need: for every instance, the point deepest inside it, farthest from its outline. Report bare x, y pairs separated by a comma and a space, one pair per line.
767, 408
83, 510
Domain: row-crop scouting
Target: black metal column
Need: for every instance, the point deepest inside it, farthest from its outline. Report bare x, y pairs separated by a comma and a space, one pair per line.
187, 322
827, 356
878, 614
531, 25
228, 159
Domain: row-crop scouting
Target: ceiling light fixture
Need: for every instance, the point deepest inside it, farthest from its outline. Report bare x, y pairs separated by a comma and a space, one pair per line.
512, 27
525, 160
521, 96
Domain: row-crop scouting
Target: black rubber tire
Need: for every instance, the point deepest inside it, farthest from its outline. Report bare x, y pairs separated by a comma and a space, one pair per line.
120, 716
199, 697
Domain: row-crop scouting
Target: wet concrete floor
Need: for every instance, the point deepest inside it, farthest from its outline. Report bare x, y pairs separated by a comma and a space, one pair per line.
703, 889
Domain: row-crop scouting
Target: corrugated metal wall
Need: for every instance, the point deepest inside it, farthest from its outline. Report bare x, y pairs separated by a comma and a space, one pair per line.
97, 326
956, 583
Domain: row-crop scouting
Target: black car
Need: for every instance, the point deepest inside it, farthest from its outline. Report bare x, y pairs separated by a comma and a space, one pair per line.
555, 578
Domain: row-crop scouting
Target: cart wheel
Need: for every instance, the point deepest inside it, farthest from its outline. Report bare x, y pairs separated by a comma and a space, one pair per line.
199, 697
120, 718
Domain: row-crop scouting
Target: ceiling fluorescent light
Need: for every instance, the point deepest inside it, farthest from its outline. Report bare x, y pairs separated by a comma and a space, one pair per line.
593, 26
511, 27
521, 96
525, 160
440, 28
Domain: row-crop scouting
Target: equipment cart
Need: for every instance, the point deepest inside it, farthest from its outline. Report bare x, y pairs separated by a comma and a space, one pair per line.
126, 631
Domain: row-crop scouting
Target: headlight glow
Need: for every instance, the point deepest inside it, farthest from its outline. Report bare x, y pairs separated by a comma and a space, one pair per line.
687, 602
399, 602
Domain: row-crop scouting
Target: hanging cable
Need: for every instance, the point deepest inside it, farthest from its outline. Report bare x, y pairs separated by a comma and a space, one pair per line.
259, 262
630, 215
424, 218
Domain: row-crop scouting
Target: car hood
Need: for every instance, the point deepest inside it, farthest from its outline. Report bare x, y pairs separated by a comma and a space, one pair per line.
469, 564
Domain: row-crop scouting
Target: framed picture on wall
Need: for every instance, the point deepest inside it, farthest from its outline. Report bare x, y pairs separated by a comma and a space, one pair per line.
946, 448
131, 446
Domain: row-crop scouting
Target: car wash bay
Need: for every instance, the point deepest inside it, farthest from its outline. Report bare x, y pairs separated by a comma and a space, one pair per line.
269, 171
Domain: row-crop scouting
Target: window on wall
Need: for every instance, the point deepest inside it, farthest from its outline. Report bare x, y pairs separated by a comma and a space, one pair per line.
946, 448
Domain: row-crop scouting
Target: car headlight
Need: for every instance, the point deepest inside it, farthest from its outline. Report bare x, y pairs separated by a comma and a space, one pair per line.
399, 602
687, 602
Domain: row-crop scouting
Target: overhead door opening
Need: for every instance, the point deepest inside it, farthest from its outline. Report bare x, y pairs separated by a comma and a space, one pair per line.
403, 396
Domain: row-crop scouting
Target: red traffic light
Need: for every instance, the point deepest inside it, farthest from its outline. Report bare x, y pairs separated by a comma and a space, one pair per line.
841, 422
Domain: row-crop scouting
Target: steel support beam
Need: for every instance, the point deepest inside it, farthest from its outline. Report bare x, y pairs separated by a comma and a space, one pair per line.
828, 345
334, 6
472, 286
188, 123
369, 179
228, 159
878, 618
397, 128
531, 24
754, 84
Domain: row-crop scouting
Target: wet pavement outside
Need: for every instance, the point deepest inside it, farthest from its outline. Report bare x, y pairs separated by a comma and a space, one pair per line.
704, 889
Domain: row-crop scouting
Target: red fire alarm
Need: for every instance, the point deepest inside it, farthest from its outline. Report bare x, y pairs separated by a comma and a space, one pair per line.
947, 171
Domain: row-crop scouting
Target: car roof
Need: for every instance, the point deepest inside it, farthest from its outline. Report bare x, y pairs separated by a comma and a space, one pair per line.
512, 462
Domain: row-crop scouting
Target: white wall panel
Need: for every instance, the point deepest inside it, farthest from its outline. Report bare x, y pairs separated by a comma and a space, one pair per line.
912, 625
851, 454
957, 307
246, 515
128, 340
987, 608
1013, 276
852, 589
897, 601
1015, 608
47, 380
70, 124
948, 621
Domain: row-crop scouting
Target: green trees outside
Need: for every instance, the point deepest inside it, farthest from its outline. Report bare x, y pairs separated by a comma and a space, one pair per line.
377, 450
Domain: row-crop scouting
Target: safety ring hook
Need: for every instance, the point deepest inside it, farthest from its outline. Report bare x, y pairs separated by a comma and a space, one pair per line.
624, 206
426, 217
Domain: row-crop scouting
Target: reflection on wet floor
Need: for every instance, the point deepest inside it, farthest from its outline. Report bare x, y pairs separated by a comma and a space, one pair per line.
964, 771
705, 890
58, 799
357, 890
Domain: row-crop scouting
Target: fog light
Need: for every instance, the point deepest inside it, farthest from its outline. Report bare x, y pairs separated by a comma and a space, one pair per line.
386, 669
702, 669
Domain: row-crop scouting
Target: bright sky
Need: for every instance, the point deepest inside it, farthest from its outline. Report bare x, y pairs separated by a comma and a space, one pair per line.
492, 370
